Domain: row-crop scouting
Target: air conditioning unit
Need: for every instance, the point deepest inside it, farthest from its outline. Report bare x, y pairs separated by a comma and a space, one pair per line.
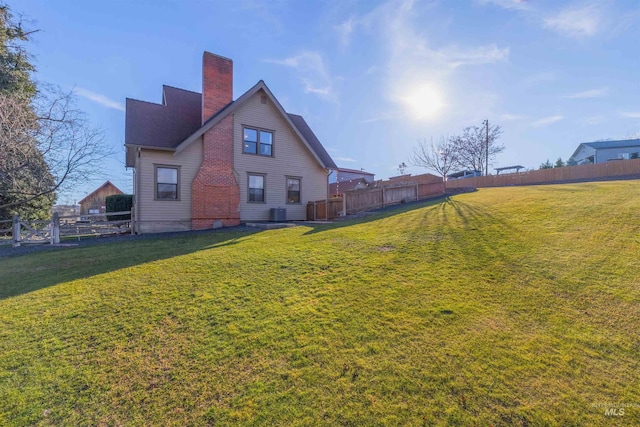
277, 214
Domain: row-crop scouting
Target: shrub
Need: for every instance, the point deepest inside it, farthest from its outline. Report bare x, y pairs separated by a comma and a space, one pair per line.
119, 203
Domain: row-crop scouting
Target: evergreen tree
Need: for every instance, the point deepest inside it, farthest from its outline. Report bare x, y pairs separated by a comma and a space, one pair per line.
23, 169
546, 165
559, 163
15, 64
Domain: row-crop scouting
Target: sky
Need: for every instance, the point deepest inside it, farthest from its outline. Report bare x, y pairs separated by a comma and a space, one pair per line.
372, 78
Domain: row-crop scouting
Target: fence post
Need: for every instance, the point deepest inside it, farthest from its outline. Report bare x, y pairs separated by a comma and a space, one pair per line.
383, 197
54, 236
416, 191
344, 204
133, 221
16, 231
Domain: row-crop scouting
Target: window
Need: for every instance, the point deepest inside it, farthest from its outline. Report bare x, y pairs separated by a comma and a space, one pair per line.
166, 183
257, 142
256, 188
293, 190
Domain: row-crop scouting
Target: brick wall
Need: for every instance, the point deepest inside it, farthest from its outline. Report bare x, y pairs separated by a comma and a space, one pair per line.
215, 190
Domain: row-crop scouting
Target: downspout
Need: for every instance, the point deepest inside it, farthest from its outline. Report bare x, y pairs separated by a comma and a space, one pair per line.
329, 172
137, 173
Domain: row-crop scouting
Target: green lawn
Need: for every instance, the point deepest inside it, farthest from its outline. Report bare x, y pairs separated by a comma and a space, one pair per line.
507, 306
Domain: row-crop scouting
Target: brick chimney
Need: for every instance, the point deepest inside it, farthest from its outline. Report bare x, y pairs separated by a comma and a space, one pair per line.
217, 84
215, 191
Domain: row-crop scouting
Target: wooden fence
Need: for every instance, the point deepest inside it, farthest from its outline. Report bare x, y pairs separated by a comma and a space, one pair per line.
65, 227
321, 210
372, 198
618, 168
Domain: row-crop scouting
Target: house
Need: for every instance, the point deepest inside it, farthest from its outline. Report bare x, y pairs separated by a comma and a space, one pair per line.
337, 188
344, 174
94, 202
349, 179
509, 168
604, 151
425, 178
464, 174
204, 160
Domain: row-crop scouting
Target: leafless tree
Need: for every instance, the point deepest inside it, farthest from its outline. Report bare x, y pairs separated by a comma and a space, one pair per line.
471, 147
45, 147
440, 157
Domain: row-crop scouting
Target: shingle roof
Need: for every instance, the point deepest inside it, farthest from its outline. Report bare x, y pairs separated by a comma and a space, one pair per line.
163, 125
176, 122
313, 141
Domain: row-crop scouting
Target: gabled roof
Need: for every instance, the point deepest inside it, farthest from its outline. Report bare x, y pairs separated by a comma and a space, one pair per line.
163, 125
297, 124
176, 123
599, 145
98, 189
362, 172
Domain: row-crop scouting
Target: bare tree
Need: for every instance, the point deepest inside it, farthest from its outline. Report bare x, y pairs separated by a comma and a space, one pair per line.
440, 157
45, 147
471, 147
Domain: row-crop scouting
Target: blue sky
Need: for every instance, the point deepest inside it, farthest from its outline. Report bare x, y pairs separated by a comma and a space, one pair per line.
370, 77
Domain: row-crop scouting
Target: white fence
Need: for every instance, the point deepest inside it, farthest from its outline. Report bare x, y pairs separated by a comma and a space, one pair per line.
65, 227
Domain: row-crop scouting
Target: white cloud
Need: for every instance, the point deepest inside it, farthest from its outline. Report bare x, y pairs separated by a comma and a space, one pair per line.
506, 117
547, 121
312, 72
456, 57
507, 4
345, 29
577, 21
593, 93
345, 159
98, 99
632, 115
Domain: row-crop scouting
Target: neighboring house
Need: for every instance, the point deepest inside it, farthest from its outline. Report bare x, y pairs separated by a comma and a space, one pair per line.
205, 160
336, 188
604, 151
344, 174
464, 174
509, 168
94, 203
394, 181
425, 178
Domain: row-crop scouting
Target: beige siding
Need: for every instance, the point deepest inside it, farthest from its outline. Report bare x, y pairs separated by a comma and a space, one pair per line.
290, 158
166, 215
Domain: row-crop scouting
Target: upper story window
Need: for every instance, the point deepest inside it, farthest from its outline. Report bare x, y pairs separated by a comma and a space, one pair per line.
166, 183
257, 142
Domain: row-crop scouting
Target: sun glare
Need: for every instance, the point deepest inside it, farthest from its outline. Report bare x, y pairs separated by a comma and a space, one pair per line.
424, 102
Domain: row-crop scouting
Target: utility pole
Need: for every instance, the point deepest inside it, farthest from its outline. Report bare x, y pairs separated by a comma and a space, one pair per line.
486, 170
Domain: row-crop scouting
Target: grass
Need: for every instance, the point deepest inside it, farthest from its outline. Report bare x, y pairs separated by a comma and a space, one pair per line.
509, 306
